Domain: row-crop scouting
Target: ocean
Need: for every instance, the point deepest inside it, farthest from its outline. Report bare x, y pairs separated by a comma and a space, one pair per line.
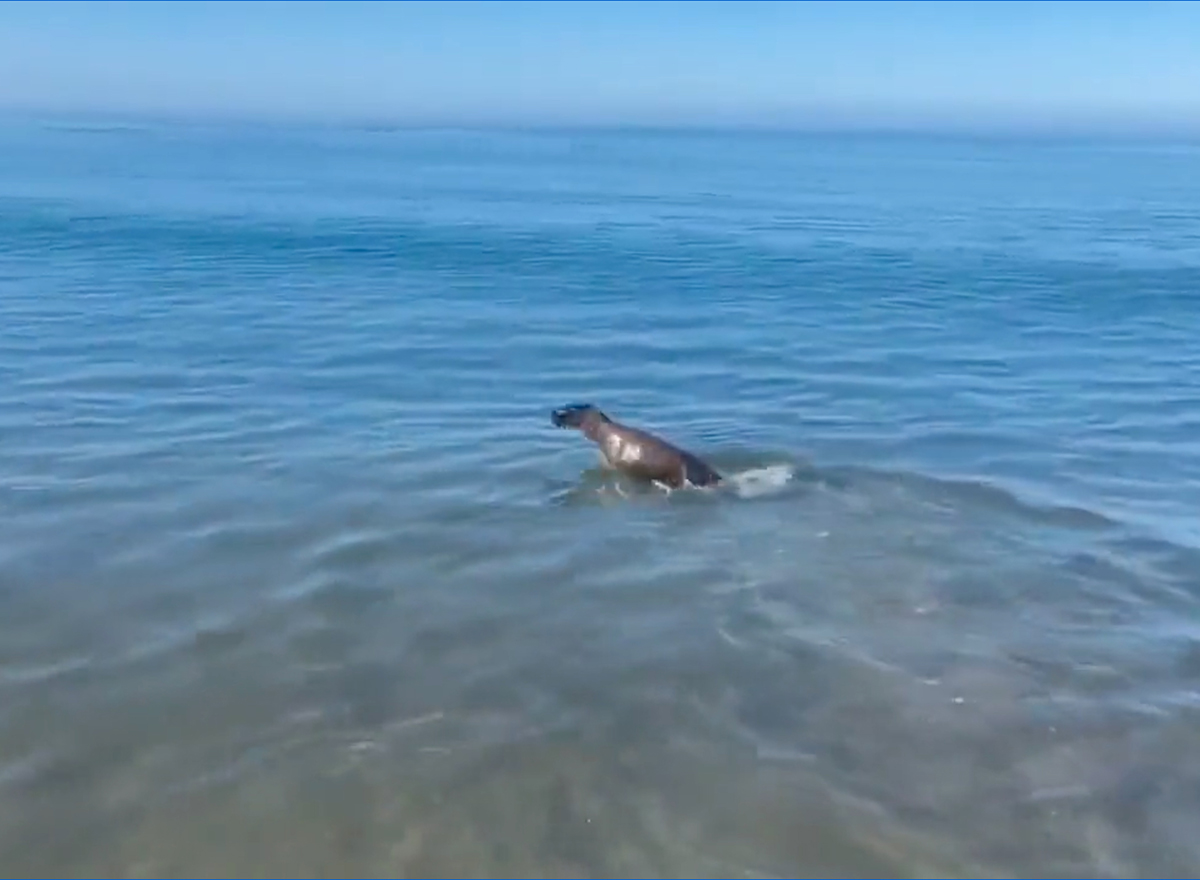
297, 579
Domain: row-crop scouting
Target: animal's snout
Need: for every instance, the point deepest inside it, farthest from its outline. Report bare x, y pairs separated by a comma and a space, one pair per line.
570, 416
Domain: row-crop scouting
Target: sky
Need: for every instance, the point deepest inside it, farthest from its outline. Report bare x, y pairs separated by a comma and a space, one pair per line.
906, 64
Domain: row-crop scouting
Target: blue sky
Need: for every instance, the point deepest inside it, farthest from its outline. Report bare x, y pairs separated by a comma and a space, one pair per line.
1123, 64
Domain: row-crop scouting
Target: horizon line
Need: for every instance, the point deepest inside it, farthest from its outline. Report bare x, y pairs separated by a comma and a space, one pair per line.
831, 123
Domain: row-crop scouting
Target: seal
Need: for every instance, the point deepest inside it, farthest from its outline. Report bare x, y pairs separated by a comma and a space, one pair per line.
635, 452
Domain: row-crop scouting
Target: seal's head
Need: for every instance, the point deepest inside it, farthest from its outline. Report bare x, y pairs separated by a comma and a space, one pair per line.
580, 416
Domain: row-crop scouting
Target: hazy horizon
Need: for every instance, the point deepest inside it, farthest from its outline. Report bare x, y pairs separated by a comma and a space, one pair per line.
1118, 67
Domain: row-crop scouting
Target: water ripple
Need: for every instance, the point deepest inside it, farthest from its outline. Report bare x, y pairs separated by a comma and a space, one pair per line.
293, 554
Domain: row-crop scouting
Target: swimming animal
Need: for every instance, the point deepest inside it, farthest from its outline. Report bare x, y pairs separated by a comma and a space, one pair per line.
635, 452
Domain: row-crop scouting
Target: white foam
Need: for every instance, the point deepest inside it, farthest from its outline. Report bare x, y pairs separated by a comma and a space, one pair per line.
762, 480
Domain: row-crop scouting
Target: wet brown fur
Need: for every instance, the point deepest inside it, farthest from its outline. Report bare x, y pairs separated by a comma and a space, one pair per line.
635, 452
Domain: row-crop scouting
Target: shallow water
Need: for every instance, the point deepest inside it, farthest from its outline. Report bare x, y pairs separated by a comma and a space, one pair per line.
297, 578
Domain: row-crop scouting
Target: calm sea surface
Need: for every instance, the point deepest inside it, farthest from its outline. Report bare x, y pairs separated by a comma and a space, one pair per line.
296, 578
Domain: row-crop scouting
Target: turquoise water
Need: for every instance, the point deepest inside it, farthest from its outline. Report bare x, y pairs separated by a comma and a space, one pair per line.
297, 577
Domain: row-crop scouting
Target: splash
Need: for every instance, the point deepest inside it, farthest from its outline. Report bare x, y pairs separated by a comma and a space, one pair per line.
605, 486
759, 481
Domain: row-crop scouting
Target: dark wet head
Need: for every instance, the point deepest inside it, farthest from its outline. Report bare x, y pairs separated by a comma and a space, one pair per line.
574, 415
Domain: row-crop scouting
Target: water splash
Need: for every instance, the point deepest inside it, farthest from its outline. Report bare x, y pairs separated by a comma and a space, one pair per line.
759, 481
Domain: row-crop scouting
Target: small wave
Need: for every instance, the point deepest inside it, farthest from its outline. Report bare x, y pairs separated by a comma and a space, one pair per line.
758, 475
979, 494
